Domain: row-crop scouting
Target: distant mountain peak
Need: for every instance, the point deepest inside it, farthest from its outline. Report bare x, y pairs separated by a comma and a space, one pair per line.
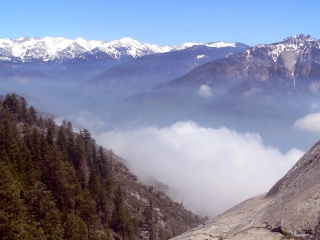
23, 38
294, 44
298, 39
127, 39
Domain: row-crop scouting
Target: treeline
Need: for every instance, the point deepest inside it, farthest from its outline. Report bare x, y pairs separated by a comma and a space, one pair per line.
57, 184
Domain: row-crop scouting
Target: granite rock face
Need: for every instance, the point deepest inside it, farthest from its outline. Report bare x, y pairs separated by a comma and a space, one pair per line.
291, 206
296, 197
238, 222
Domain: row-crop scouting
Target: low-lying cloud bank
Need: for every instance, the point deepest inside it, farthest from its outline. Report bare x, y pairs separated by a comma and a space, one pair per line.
213, 169
205, 91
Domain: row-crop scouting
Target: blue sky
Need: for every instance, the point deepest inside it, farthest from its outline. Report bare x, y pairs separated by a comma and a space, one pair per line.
162, 22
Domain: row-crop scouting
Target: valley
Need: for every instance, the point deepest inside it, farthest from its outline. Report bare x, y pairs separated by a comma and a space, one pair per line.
189, 115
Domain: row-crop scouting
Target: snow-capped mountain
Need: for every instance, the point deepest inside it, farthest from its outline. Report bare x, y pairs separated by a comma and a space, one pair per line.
148, 71
291, 44
261, 83
295, 59
219, 44
297, 56
61, 49
26, 49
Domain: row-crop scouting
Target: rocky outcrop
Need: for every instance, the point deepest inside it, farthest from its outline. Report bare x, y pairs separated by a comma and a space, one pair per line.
296, 197
236, 223
291, 207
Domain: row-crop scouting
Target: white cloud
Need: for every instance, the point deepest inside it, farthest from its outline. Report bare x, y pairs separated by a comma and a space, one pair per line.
310, 123
205, 91
213, 169
252, 91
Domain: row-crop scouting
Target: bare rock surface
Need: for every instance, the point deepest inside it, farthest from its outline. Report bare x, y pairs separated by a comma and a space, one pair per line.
256, 234
292, 206
236, 220
296, 198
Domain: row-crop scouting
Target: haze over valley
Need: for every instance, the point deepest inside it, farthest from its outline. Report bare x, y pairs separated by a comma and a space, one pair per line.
159, 120
202, 110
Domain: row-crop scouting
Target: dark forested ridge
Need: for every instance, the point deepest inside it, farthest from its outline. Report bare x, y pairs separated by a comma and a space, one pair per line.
58, 184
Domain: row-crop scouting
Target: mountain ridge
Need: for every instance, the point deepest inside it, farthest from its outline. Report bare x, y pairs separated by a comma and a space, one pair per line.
59, 49
289, 68
150, 70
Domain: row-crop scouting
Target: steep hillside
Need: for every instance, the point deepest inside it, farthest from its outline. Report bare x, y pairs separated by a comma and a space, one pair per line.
291, 208
295, 206
58, 184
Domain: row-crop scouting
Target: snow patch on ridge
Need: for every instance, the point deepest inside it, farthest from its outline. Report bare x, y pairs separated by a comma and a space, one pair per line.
188, 44
201, 56
221, 44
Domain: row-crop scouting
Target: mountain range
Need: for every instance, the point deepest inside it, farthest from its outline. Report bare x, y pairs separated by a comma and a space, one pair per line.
148, 71
262, 88
127, 83
27, 59
59, 49
290, 68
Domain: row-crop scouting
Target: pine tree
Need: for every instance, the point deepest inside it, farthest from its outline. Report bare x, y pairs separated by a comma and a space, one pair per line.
23, 115
118, 218
121, 219
43, 208
12, 210
78, 160
150, 221
94, 185
35, 146
62, 142
75, 228
13, 103
32, 117
57, 177
9, 141
50, 130
89, 147
85, 208
44, 150
40, 122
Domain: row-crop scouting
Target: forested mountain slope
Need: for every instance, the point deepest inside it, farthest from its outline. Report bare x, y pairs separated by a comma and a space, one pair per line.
58, 184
